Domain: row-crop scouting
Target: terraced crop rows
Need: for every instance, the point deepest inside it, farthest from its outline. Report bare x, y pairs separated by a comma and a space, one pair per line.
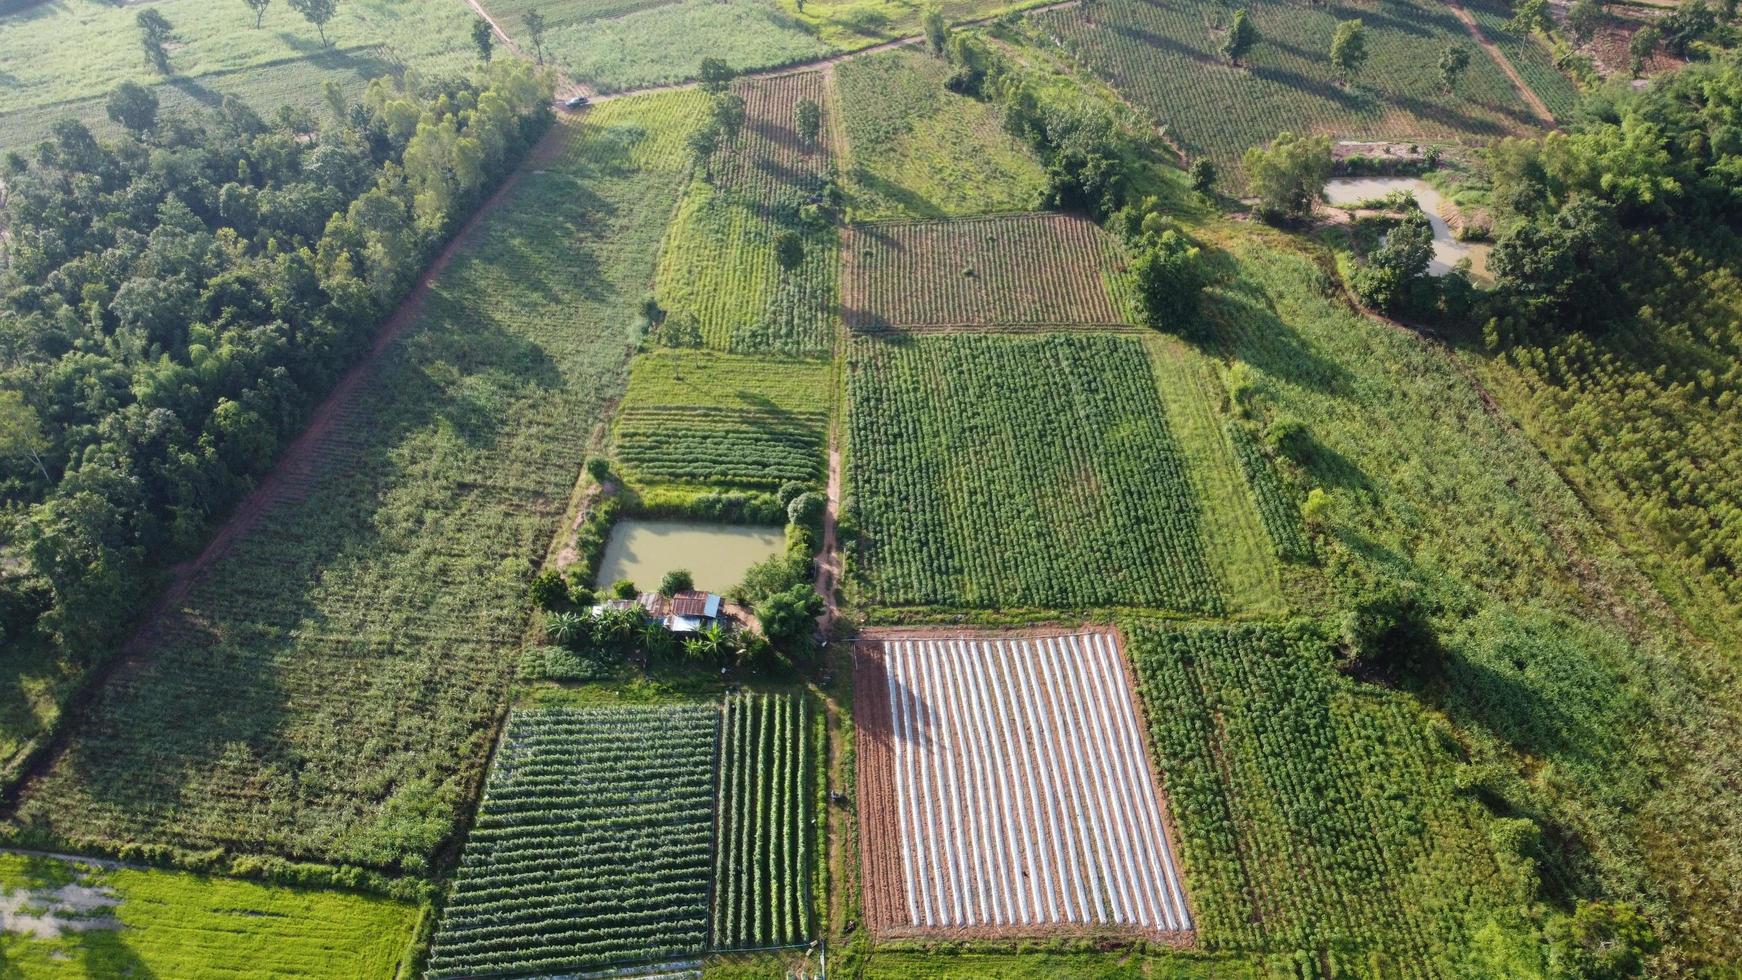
1024, 270
1006, 788
763, 868
591, 847
1002, 471
1280, 516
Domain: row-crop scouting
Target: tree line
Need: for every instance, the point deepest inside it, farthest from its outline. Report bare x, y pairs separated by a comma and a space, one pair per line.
173, 303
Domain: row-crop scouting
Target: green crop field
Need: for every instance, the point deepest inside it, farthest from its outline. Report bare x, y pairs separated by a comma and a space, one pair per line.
1020, 471
660, 45
328, 688
917, 150
764, 850
1164, 58
1532, 59
718, 275
123, 922
63, 57
591, 846
723, 420
1315, 814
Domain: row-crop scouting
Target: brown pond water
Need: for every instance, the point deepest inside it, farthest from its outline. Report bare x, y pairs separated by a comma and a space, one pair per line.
717, 555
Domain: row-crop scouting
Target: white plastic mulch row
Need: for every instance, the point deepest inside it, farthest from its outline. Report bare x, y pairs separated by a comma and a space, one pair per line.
1023, 794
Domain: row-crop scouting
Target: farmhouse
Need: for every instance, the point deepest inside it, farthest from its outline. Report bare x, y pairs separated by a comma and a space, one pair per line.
681, 612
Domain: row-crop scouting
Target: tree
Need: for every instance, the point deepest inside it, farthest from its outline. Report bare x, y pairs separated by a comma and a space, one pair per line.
808, 118
20, 431
716, 76
703, 141
1454, 61
788, 618
1562, 271
549, 590
675, 581
1240, 38
1168, 283
788, 250
1600, 941
1349, 49
937, 30
1640, 47
535, 33
133, 107
155, 33
776, 573
1289, 175
259, 8
806, 509
624, 589
1384, 281
729, 114
1203, 175
484, 39
317, 12
1530, 16
1584, 17
1387, 631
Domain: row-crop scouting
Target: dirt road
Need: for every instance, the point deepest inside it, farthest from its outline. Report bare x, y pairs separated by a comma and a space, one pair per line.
1499, 58
829, 561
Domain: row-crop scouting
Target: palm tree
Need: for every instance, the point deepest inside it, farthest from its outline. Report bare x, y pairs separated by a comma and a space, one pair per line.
695, 648
654, 637
620, 624
717, 641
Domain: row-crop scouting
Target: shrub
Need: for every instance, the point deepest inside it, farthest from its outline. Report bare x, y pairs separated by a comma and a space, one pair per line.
1388, 631
1289, 436
1203, 175
788, 618
675, 581
548, 590
806, 510
1167, 281
788, 491
1289, 175
624, 589
777, 573
599, 468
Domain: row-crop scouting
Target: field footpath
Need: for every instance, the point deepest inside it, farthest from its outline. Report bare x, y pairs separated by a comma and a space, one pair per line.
829, 561
1499, 58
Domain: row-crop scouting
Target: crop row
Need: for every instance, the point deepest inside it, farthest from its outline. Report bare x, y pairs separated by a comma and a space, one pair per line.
1020, 471
1310, 818
335, 668
591, 845
762, 871
1009, 270
1165, 58
1280, 516
744, 448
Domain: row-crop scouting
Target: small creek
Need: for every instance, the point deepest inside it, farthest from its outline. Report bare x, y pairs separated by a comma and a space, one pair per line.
1447, 249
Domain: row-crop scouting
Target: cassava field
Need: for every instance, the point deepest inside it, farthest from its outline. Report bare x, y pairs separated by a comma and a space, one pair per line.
1160, 574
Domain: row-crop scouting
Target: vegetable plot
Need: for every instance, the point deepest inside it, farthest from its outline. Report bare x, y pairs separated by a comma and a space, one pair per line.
1004, 789
762, 873
1022, 270
591, 847
1001, 471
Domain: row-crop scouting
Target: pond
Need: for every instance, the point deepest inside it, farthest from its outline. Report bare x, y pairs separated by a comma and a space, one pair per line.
717, 555
1447, 249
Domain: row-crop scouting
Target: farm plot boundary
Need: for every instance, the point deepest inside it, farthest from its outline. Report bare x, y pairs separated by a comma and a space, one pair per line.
1031, 271
1077, 842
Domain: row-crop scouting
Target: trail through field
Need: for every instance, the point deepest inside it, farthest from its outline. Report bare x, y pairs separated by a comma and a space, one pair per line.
1499, 57
829, 562
296, 464
802, 66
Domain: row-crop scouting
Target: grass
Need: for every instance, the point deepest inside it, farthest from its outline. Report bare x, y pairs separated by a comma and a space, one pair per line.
65, 56
170, 924
1164, 57
666, 44
917, 150
1008, 471
329, 688
723, 420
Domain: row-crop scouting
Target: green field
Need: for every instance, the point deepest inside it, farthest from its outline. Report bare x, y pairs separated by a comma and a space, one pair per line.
1164, 58
718, 276
591, 845
1528, 55
64, 56
764, 851
328, 688
1002, 471
723, 420
917, 150
123, 922
661, 45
